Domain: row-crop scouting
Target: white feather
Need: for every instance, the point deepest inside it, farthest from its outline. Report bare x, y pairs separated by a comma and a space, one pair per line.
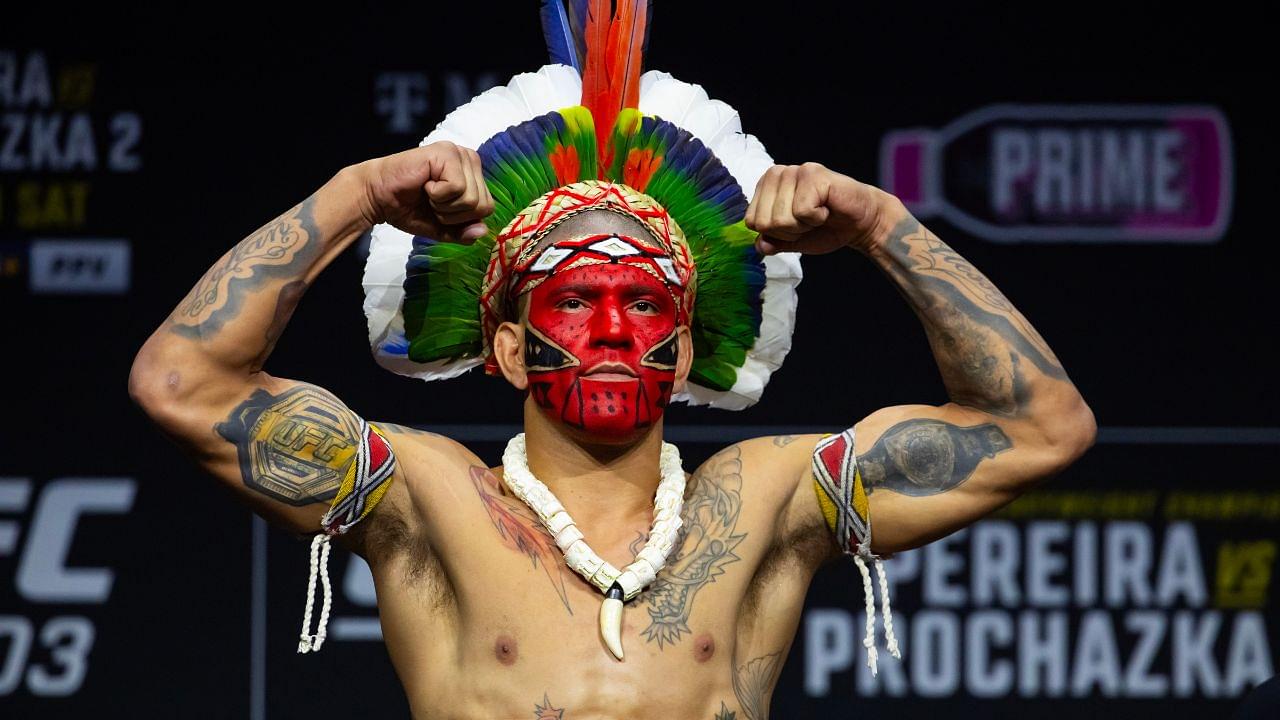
745, 159
563, 89
525, 97
647, 81
711, 121
488, 114
669, 98
540, 93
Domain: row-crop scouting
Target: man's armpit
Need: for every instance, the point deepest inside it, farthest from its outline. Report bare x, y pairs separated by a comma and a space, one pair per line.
805, 522
386, 532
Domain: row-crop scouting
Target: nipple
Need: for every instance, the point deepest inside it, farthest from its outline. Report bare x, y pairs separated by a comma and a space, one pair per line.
704, 647
505, 650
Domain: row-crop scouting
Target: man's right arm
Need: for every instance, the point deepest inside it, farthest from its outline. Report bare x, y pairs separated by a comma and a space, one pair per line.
283, 446
1014, 417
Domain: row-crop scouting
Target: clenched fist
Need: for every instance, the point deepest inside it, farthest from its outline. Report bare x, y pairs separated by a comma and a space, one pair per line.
437, 190
810, 209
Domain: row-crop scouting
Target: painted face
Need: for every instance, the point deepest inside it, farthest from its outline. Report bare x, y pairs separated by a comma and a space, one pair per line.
600, 348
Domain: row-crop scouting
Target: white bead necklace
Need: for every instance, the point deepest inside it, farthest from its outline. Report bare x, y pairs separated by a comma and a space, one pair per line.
618, 586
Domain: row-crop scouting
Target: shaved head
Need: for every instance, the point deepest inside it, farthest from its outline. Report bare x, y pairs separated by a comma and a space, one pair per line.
596, 221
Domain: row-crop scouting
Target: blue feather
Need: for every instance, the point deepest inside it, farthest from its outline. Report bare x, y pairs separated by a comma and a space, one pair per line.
578, 21
563, 31
648, 25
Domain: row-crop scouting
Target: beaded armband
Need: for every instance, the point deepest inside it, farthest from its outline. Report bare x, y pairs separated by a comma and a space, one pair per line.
843, 500
367, 479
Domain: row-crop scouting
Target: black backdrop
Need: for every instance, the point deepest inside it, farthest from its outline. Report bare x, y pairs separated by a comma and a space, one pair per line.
157, 140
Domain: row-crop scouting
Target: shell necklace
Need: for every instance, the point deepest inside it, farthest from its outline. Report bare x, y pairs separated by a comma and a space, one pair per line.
618, 586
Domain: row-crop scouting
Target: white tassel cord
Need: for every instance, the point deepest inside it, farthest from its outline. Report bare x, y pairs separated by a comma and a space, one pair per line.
868, 594
319, 568
890, 640
868, 640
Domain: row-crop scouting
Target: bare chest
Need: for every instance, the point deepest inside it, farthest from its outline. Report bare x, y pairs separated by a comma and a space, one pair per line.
521, 633
494, 616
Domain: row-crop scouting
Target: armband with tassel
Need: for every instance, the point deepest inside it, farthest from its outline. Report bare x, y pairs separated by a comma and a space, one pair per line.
844, 505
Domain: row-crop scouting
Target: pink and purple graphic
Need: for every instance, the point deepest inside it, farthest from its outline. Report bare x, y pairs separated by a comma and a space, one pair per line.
1070, 173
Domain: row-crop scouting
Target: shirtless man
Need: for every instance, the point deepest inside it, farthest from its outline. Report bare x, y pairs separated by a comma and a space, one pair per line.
473, 628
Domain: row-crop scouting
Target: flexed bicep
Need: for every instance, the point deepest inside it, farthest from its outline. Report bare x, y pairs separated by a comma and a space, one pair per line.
927, 456
293, 446
291, 451
929, 471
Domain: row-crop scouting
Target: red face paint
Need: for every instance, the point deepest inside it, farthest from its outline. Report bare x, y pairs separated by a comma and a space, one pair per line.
613, 314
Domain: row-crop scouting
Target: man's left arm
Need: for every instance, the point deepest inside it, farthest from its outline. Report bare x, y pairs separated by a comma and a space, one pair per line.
1014, 418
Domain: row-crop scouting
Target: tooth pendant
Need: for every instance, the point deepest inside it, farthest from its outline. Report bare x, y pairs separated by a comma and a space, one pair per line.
611, 620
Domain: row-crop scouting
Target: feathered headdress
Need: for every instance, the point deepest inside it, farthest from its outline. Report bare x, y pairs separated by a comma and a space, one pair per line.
591, 120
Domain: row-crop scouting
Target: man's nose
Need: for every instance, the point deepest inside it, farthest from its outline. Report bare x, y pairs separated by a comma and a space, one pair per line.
610, 325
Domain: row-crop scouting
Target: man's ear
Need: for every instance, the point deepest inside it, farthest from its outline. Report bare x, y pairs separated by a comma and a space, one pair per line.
684, 358
508, 351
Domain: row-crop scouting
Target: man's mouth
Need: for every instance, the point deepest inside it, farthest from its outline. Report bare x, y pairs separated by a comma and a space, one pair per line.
610, 372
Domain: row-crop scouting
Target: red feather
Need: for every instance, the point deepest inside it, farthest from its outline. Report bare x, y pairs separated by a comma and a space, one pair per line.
611, 78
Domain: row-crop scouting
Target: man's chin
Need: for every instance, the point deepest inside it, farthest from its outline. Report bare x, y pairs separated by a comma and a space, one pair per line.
607, 433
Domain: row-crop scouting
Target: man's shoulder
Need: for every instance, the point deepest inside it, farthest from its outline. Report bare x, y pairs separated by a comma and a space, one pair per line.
769, 468
767, 482
414, 446
766, 456
425, 462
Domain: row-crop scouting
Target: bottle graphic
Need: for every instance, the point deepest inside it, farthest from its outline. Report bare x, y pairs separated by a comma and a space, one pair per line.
1069, 173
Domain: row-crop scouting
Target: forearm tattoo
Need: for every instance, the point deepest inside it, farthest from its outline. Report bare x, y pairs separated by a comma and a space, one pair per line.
927, 457
294, 447
977, 336
282, 248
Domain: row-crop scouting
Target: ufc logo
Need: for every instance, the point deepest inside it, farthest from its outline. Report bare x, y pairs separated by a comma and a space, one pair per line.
43, 575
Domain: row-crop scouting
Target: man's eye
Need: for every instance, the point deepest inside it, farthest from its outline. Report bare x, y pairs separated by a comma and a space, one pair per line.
571, 304
645, 306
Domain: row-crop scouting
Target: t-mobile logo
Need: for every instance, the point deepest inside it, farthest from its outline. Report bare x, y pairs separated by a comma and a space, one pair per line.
402, 98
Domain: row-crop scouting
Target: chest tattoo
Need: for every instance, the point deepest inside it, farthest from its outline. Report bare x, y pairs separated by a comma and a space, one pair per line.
520, 529
706, 546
